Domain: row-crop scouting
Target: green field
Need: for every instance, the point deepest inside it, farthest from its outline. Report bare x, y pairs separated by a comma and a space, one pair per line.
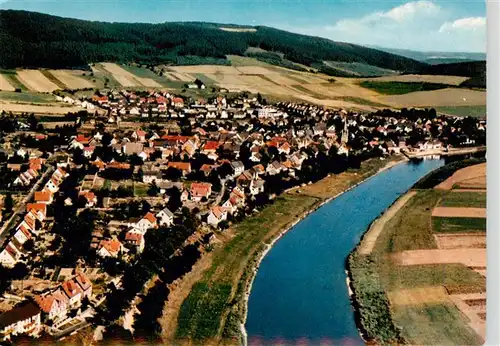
400, 88
463, 111
435, 325
207, 310
464, 199
458, 224
27, 97
410, 228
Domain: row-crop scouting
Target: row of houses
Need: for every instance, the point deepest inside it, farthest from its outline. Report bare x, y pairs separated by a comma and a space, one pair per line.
53, 305
32, 221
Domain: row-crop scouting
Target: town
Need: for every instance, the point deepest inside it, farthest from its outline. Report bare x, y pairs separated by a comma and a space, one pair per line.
140, 184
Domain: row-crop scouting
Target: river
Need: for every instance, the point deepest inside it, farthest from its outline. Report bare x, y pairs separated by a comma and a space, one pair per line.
299, 295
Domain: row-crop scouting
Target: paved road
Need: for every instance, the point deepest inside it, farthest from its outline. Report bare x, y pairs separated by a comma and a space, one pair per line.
22, 205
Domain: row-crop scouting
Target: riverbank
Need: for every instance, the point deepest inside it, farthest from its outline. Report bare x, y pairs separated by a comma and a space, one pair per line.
236, 257
262, 255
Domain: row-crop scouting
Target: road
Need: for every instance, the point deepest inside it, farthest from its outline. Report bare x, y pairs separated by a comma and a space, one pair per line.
22, 205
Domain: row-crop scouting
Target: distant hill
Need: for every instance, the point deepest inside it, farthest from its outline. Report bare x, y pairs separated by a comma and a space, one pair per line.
30, 39
435, 58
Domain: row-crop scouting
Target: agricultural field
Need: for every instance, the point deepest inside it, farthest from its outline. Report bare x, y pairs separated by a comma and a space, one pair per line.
458, 224
400, 88
416, 78
72, 79
436, 98
35, 80
464, 199
27, 97
5, 84
429, 262
360, 69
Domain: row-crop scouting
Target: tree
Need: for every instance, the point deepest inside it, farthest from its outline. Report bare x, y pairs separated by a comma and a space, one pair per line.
8, 204
153, 189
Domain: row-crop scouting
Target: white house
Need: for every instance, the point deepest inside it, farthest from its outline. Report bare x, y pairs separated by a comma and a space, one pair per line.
144, 224
24, 319
217, 214
54, 305
165, 217
8, 257
109, 248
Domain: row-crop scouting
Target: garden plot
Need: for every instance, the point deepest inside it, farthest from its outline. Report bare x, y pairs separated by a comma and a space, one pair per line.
460, 240
468, 257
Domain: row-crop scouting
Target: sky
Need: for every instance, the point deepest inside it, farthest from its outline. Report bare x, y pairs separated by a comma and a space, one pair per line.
424, 25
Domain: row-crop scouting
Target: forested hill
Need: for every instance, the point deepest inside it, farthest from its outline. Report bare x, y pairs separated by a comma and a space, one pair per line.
29, 39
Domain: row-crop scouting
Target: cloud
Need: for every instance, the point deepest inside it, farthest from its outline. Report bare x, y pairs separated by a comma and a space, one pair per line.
464, 24
397, 16
418, 25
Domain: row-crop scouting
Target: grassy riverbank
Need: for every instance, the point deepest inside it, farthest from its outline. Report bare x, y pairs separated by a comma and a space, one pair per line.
216, 305
412, 303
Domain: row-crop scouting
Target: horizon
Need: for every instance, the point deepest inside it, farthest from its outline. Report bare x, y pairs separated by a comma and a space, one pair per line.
438, 26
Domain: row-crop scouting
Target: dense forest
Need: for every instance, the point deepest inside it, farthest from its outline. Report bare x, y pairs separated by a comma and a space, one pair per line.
29, 39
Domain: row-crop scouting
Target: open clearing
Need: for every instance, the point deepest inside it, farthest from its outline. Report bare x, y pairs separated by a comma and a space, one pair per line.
476, 171
460, 240
36, 81
459, 212
468, 257
71, 79
463, 111
5, 85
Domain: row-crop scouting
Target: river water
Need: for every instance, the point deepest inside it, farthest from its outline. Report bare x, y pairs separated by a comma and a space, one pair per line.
300, 295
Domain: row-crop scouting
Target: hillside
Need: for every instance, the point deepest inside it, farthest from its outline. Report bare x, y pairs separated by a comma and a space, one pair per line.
55, 42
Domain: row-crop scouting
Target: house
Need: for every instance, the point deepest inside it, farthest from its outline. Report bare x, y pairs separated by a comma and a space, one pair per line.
245, 178
165, 217
200, 190
22, 235
139, 135
73, 292
38, 210
135, 239
184, 167
54, 305
207, 169
8, 257
256, 187
143, 225
84, 283
89, 197
109, 248
43, 197
237, 167
216, 215
24, 319
149, 177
